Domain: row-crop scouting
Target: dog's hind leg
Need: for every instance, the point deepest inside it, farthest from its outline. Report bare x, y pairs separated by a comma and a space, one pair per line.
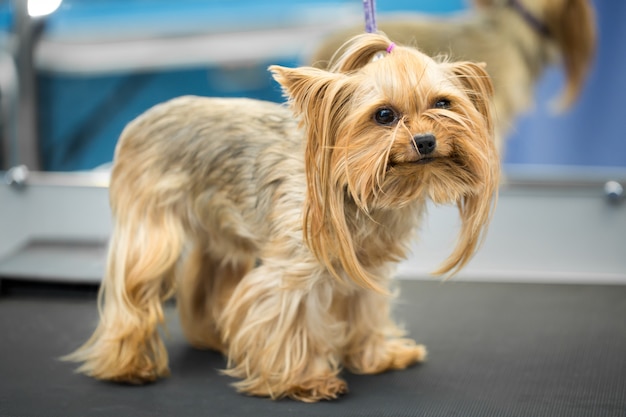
144, 251
222, 252
205, 285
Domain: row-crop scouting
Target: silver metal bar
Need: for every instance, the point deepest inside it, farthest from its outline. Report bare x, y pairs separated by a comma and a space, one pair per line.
8, 105
27, 30
593, 179
20, 177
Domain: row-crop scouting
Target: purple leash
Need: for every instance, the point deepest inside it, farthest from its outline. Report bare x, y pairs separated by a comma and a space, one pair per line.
369, 7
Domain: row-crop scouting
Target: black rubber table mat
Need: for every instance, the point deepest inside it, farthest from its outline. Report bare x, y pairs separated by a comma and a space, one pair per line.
495, 350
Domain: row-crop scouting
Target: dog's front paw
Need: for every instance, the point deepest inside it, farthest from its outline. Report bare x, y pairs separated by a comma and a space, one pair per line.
404, 352
318, 389
390, 354
310, 390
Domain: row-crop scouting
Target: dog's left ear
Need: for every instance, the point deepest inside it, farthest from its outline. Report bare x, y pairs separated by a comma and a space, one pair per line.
475, 80
476, 207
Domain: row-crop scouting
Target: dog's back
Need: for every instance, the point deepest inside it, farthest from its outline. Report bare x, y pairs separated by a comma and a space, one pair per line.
199, 141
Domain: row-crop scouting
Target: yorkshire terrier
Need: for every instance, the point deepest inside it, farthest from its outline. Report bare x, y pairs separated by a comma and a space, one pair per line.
279, 235
517, 39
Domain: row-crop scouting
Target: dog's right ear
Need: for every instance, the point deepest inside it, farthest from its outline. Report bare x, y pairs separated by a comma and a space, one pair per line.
305, 87
322, 99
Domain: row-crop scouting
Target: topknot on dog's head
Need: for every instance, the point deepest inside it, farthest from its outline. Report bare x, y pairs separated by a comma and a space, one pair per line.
359, 51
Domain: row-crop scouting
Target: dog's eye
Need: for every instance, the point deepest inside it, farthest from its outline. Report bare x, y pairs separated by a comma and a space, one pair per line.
385, 116
443, 103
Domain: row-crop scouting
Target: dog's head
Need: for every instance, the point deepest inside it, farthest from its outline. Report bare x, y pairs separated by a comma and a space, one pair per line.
388, 127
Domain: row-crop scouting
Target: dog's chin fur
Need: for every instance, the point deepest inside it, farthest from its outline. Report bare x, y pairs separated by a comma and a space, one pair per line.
515, 52
279, 235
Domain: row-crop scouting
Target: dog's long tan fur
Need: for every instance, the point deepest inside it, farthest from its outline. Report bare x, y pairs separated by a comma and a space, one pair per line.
496, 33
279, 235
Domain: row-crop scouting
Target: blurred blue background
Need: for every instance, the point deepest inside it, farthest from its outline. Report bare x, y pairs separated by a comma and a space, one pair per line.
82, 112
593, 131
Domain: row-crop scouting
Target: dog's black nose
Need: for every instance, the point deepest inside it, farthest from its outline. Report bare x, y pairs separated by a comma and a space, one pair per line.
425, 143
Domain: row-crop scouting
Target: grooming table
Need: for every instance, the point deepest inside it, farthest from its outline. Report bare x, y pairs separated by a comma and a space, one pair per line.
527, 350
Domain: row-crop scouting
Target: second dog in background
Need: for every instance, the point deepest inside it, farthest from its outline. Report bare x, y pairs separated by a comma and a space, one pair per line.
517, 39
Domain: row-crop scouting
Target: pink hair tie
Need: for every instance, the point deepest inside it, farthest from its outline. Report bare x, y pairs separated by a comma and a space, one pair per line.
381, 55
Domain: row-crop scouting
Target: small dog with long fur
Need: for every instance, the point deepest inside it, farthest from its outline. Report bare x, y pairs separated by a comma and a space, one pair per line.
279, 235
517, 39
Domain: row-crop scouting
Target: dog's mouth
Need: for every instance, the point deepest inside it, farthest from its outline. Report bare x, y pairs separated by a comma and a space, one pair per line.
421, 161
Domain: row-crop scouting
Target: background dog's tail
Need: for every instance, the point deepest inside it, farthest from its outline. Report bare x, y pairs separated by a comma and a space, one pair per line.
574, 31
